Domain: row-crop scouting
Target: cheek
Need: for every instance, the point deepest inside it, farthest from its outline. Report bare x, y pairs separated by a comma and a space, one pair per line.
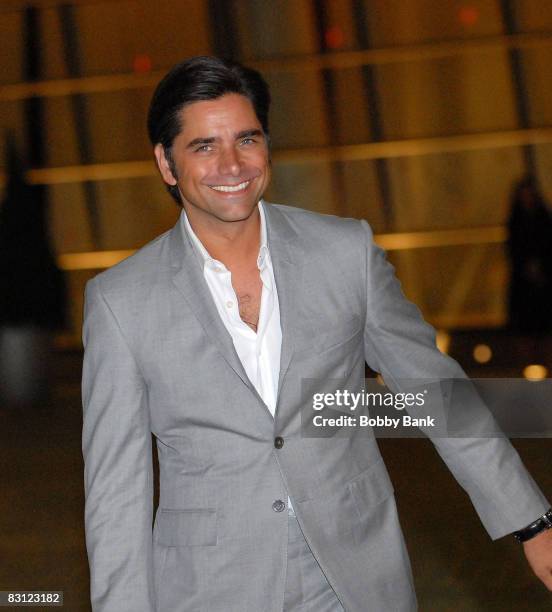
258, 158
267, 171
264, 165
193, 175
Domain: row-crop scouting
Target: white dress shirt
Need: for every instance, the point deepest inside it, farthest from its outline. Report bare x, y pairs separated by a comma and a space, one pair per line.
258, 351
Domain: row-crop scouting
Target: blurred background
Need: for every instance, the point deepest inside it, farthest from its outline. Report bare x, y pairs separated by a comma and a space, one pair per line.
429, 118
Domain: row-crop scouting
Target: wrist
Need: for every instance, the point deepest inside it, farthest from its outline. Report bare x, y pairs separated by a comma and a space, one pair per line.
543, 523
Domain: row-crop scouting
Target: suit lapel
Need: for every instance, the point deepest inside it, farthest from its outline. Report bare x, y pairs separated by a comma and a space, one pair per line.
188, 278
284, 247
187, 275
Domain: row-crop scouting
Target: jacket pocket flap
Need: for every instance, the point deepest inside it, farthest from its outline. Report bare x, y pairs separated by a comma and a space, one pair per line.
371, 487
187, 527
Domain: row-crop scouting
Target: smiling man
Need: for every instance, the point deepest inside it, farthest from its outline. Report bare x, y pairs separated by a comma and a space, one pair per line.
219, 165
203, 338
220, 169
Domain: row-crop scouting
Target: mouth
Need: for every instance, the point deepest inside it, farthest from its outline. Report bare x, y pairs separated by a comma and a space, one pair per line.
231, 188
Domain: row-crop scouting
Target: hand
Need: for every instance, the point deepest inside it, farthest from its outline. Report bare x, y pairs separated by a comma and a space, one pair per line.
538, 551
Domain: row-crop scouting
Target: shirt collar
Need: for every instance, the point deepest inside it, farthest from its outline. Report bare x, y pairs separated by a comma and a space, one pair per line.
263, 250
207, 260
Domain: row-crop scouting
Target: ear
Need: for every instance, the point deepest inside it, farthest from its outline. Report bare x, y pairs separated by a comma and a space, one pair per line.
163, 164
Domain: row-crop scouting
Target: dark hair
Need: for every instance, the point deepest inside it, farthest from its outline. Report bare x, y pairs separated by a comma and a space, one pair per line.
196, 79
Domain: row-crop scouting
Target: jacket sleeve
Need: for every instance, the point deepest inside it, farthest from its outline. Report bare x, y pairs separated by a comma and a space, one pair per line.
401, 346
118, 473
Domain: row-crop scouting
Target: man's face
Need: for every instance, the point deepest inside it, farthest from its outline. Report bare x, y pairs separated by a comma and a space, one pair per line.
221, 160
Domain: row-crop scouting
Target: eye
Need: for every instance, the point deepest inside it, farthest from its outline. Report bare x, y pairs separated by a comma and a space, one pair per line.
204, 148
248, 140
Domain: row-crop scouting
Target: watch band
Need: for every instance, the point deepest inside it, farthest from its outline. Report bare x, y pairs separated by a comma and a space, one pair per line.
541, 524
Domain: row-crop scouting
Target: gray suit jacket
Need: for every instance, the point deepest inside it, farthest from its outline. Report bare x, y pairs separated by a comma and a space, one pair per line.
158, 359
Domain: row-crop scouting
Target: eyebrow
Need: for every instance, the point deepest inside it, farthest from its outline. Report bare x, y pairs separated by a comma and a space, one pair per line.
199, 141
203, 140
248, 133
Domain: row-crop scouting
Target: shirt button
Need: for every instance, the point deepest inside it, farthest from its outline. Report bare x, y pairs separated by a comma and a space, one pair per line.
229, 304
278, 506
278, 442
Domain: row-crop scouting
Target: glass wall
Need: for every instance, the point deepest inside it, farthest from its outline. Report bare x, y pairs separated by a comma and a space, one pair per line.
415, 115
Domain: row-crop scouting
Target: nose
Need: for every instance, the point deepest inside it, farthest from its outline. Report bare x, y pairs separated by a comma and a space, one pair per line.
229, 162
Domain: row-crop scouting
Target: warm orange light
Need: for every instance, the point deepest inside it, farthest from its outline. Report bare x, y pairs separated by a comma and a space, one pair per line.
535, 372
482, 353
443, 341
334, 37
142, 63
468, 15
93, 260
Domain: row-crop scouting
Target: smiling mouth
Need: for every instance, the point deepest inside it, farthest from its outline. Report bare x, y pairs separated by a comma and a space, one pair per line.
231, 188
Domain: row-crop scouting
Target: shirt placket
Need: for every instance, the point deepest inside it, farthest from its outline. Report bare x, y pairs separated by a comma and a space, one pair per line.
263, 362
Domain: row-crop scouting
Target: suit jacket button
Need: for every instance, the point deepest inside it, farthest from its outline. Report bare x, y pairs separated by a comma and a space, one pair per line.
278, 506
278, 442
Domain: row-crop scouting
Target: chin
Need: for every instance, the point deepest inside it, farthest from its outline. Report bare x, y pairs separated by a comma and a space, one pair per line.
238, 212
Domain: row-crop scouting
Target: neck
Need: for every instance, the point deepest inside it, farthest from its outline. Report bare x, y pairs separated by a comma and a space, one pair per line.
232, 243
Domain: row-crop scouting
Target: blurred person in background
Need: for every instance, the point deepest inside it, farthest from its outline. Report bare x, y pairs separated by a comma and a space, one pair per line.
530, 253
33, 300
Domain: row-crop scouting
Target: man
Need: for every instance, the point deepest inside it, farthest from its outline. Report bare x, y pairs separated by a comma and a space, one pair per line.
203, 338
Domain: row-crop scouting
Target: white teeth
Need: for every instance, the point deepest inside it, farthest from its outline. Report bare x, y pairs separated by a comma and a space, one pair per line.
230, 187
